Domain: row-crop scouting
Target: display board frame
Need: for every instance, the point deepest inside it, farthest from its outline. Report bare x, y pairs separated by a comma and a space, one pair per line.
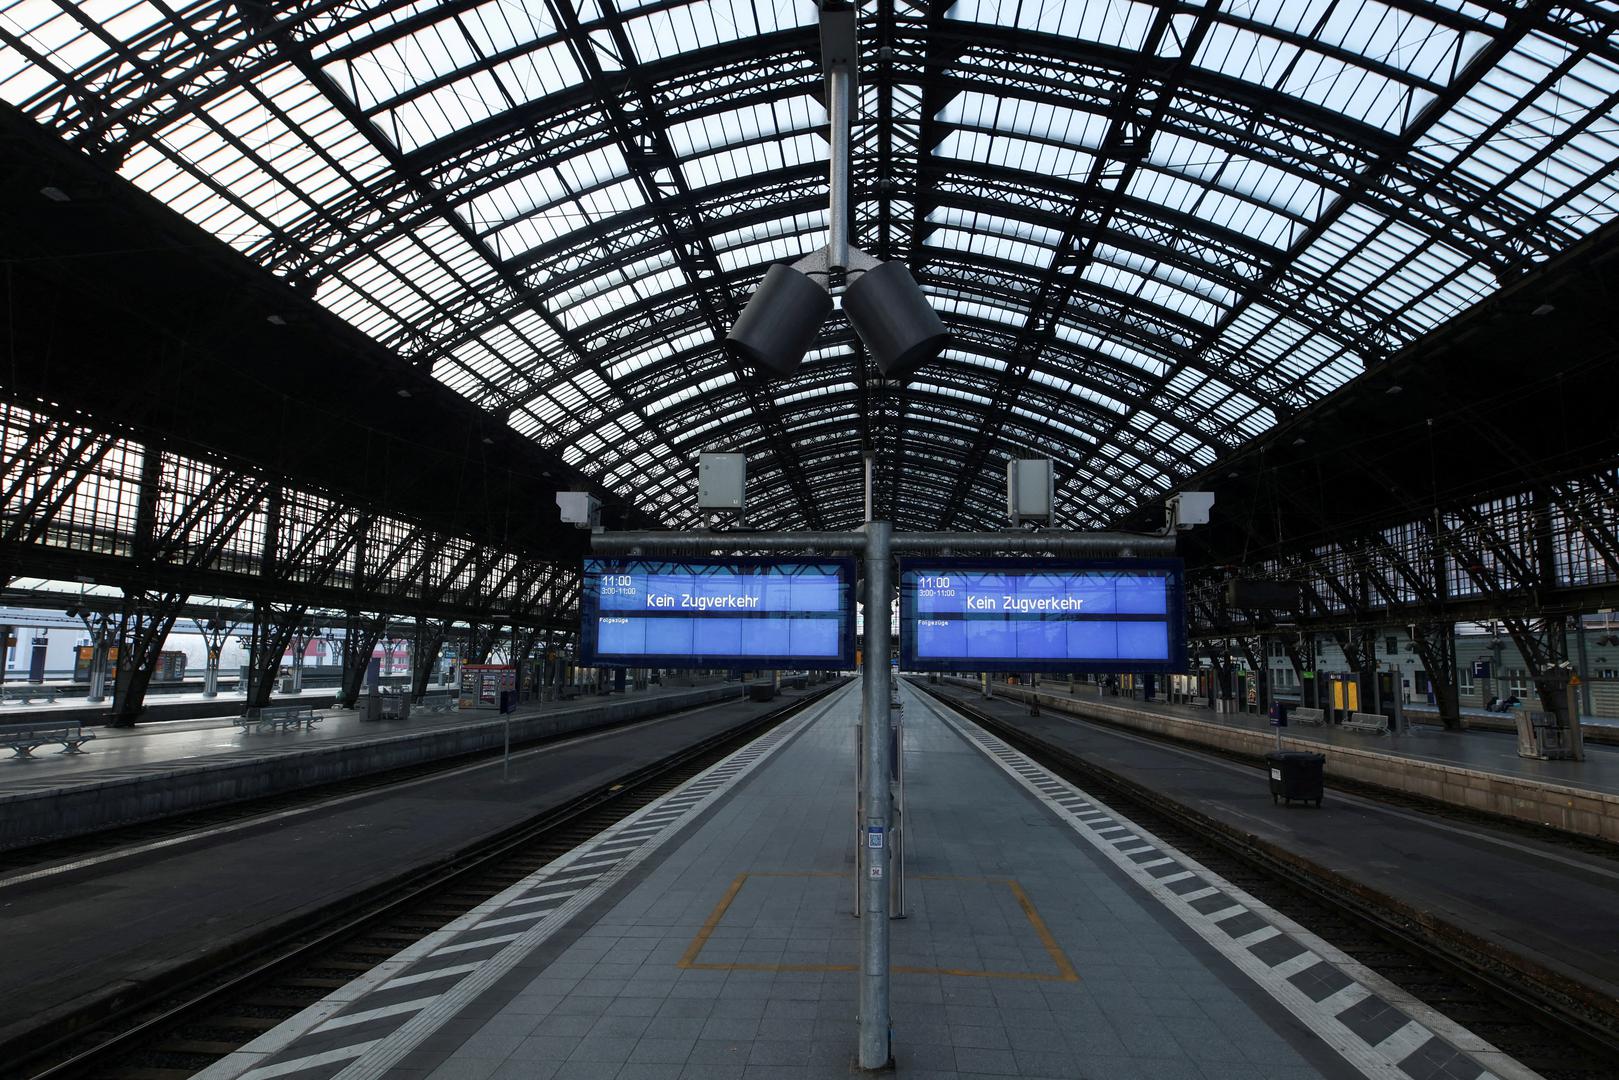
590, 611
910, 569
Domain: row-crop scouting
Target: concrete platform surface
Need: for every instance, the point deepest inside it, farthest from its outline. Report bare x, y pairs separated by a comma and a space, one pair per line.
1482, 751
1491, 883
152, 748
710, 937
1475, 770
160, 708
93, 930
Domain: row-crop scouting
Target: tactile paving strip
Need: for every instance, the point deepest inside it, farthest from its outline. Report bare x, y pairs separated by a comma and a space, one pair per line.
1372, 1024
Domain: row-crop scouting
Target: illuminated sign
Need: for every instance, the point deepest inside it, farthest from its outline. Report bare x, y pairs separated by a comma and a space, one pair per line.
713, 613
1042, 616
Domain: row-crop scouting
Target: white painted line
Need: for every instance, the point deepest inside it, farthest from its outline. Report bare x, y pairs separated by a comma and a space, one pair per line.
281, 1068
1347, 998
379, 1013
1264, 933
547, 897
428, 976
1406, 1041
510, 920
1302, 962
468, 946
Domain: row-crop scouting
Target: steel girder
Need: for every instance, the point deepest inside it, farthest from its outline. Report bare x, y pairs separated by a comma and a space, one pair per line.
204, 528
923, 62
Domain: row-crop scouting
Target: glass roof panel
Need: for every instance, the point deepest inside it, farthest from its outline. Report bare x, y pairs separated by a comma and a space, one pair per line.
523, 232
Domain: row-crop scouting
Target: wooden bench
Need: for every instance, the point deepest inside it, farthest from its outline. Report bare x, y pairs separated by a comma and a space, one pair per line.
1310, 717
279, 717
25, 695
25, 738
1367, 723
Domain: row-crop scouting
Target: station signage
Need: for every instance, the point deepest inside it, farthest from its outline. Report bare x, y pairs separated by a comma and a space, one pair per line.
718, 613
1028, 615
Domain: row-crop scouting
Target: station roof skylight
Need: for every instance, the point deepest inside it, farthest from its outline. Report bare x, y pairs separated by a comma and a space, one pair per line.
1153, 229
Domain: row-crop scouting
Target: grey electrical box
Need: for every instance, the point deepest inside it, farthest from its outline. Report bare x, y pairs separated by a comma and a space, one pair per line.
579, 508
1030, 490
722, 481
1188, 508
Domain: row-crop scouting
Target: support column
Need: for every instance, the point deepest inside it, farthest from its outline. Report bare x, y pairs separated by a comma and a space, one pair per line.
1436, 645
359, 642
273, 632
424, 656
875, 1048
143, 629
301, 637
213, 633
99, 626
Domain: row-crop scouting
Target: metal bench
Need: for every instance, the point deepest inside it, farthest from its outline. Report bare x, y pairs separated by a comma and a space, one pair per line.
25, 738
25, 695
279, 717
438, 702
1367, 723
1311, 717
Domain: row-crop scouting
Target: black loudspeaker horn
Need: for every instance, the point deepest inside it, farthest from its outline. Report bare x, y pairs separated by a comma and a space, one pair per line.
780, 322
887, 309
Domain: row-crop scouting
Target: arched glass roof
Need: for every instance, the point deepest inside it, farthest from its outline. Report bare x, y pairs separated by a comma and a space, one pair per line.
1154, 230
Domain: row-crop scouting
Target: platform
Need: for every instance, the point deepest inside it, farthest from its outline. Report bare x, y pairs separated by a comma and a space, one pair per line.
1480, 770
81, 933
710, 937
1491, 884
153, 772
161, 708
183, 743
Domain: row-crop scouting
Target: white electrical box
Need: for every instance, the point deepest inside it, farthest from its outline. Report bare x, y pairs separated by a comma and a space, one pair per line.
722, 481
1030, 490
1188, 508
579, 508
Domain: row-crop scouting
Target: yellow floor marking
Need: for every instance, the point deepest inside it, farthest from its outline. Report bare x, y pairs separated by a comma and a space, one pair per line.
1065, 970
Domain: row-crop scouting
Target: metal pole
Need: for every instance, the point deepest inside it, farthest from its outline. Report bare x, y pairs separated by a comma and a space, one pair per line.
871, 468
874, 1022
506, 753
837, 218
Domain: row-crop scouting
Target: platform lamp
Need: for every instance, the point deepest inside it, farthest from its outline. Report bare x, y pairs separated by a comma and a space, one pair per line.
882, 301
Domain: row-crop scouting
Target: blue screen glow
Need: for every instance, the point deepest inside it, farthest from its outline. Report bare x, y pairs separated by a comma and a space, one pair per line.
737, 613
1026, 615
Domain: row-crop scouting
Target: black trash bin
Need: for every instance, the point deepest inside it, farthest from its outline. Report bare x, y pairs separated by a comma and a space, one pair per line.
1295, 774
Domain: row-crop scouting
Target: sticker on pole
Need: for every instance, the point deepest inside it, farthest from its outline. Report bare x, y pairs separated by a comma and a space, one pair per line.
875, 871
874, 836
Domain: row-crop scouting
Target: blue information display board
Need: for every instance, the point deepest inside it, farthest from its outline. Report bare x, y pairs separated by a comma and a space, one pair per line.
714, 613
1025, 615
